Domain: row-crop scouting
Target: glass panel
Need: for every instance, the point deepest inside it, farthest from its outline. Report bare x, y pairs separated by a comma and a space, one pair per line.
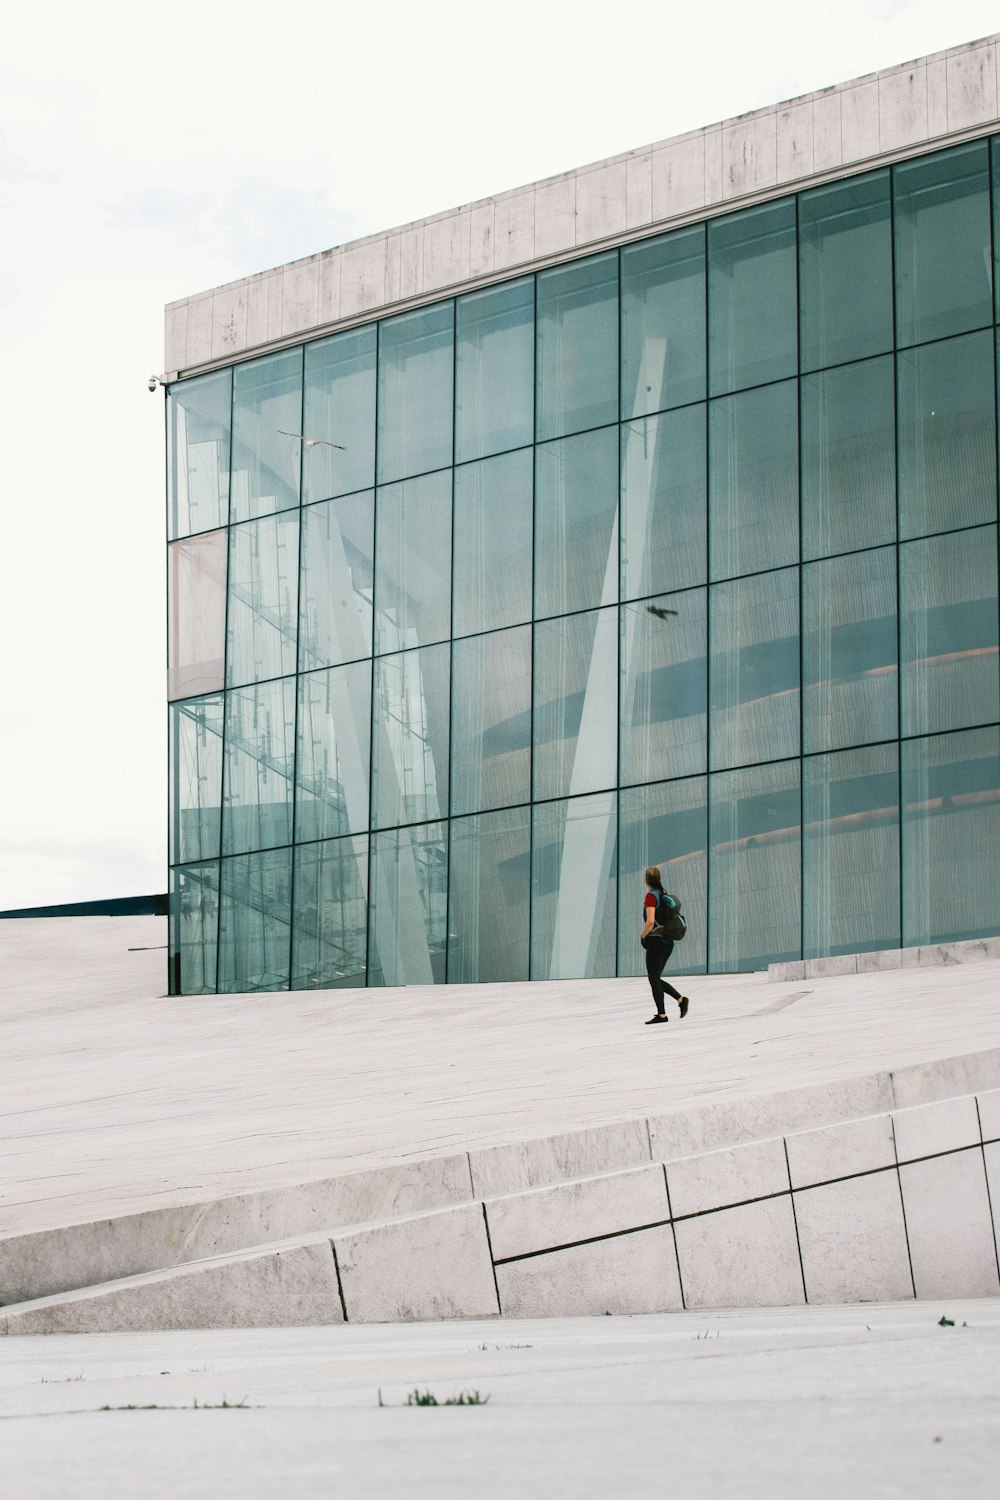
754, 678
849, 673
663, 322
754, 481
578, 346
574, 889
415, 383
338, 572
339, 416
663, 689
410, 746
330, 931
255, 929
493, 541
943, 244
195, 779
491, 720
850, 807
495, 369
409, 899
754, 890
413, 563
197, 615
948, 631
259, 762
951, 837
848, 458
576, 693
198, 434
490, 888
665, 825
263, 599
576, 523
267, 407
664, 466
751, 297
947, 436
334, 748
845, 271
194, 928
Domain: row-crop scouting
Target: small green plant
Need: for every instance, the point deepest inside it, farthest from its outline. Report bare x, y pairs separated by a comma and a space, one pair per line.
61, 1379
428, 1398
196, 1405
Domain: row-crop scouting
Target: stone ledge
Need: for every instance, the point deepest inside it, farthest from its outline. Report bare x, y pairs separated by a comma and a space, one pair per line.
975, 950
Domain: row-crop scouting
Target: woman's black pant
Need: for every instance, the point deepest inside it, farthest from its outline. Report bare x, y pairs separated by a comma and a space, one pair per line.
658, 950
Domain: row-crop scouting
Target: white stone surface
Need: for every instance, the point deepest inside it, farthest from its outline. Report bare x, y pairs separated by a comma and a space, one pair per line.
631, 1273
840, 1150
989, 1114
952, 1245
741, 1257
574, 1211
929, 1129
853, 1240
948, 1077
581, 1153
434, 1266
735, 162
699, 1183
280, 1288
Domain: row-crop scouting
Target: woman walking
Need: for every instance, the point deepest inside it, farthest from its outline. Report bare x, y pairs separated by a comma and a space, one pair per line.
658, 947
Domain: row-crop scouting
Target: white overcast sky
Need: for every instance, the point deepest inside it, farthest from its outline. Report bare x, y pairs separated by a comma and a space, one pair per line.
151, 151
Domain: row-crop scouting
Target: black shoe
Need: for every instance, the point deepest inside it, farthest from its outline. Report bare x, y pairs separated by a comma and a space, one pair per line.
654, 1019
684, 1006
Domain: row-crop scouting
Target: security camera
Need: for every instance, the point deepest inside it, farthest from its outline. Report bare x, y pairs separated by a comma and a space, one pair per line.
153, 382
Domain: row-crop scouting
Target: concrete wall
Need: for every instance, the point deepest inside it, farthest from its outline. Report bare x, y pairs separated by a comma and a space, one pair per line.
882, 117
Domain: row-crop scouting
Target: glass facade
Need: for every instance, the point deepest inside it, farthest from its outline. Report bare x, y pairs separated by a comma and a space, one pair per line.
683, 553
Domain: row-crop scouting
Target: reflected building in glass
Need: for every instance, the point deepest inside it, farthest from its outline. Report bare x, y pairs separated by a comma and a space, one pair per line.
635, 540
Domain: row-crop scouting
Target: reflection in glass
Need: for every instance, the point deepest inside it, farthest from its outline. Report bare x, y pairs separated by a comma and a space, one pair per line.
947, 436
665, 825
195, 779
948, 631
415, 382
410, 744
255, 925
576, 690
754, 672
754, 889
198, 435
663, 322
334, 746
942, 217
663, 468
754, 480
845, 271
339, 409
194, 929
574, 888
850, 809
495, 369
267, 405
849, 672
413, 563
263, 599
490, 888
751, 297
493, 540
259, 761
951, 837
576, 523
848, 458
663, 689
409, 906
577, 370
330, 930
197, 615
338, 571
491, 720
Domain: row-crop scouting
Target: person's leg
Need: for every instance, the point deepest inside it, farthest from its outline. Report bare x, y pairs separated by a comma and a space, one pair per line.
655, 959
666, 948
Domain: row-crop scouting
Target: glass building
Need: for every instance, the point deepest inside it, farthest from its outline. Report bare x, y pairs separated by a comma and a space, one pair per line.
680, 552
